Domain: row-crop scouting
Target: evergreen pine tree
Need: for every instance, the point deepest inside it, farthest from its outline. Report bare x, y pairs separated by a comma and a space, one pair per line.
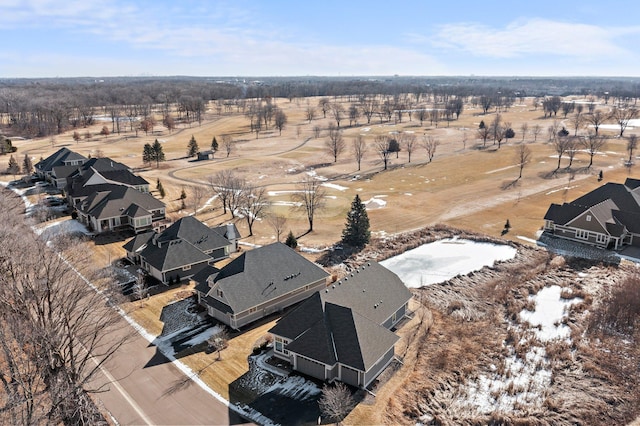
183, 196
27, 165
356, 232
147, 154
160, 189
291, 240
14, 167
158, 153
192, 148
214, 146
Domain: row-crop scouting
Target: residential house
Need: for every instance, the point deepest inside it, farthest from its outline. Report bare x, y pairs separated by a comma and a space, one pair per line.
258, 283
607, 217
63, 161
344, 331
112, 207
185, 248
86, 179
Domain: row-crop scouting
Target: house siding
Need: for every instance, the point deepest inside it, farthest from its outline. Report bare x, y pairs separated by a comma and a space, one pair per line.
275, 305
591, 225
399, 314
349, 375
586, 237
377, 368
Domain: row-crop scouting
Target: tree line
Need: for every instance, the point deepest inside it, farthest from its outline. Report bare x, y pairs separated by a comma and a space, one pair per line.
44, 107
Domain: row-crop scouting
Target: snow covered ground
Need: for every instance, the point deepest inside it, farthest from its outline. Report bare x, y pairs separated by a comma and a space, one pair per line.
522, 381
444, 259
549, 313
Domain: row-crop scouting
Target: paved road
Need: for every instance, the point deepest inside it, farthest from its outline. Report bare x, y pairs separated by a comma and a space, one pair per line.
142, 389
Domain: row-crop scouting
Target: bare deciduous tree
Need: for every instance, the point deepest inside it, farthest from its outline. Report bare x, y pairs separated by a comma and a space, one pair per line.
277, 222
632, 144
524, 128
359, 148
430, 143
198, 193
56, 331
219, 341
221, 185
409, 142
335, 143
561, 144
310, 113
382, 148
317, 131
253, 204
280, 120
310, 196
336, 401
577, 122
593, 143
337, 110
523, 155
622, 116
535, 131
597, 118
227, 144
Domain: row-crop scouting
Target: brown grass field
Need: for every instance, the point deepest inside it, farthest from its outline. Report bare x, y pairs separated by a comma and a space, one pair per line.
462, 187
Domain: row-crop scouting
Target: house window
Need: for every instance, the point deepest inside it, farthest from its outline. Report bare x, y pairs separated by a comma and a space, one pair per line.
582, 234
279, 345
601, 238
253, 310
394, 317
220, 293
186, 268
588, 218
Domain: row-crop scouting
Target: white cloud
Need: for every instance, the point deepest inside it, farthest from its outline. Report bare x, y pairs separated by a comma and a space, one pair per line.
533, 36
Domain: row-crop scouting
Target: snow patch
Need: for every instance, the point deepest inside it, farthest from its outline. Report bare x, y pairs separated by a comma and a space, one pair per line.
444, 259
334, 186
548, 315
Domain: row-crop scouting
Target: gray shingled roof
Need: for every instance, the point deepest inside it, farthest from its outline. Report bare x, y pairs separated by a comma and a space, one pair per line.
58, 158
263, 274
371, 290
172, 255
343, 322
138, 241
195, 232
330, 333
115, 200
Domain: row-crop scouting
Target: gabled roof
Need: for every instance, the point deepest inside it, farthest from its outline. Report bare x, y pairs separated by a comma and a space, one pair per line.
561, 214
371, 290
58, 158
64, 171
343, 323
229, 231
110, 172
263, 274
195, 232
632, 183
621, 195
330, 333
200, 278
114, 200
139, 241
172, 255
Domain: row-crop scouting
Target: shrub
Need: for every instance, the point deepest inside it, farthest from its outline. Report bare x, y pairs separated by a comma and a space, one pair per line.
620, 311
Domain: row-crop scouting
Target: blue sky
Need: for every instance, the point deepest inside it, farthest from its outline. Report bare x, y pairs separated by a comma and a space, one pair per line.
66, 38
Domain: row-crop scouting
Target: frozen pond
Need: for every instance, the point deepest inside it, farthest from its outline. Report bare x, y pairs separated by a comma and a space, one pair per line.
444, 259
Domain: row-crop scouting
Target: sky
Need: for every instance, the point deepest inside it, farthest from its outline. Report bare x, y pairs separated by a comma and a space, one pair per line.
74, 38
